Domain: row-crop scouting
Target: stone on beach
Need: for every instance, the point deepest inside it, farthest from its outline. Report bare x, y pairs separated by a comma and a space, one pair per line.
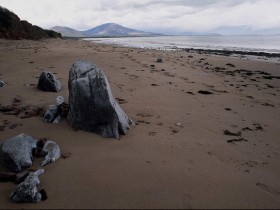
16, 152
51, 152
2, 83
54, 113
92, 106
27, 191
159, 60
49, 82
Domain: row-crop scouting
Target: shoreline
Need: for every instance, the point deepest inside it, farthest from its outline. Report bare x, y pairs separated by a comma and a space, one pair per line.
243, 54
206, 128
233, 52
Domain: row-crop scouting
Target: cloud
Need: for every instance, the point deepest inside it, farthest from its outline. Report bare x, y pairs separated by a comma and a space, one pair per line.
151, 15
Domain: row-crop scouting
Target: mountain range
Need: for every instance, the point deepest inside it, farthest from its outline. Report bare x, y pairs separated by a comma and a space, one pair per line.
104, 30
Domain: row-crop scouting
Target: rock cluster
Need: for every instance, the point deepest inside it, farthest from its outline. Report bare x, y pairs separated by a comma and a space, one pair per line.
92, 108
17, 154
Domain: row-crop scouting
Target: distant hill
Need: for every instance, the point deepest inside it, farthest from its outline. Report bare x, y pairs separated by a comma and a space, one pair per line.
11, 27
113, 29
68, 32
105, 30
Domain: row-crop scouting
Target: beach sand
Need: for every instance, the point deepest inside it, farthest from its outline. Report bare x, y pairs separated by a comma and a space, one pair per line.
177, 155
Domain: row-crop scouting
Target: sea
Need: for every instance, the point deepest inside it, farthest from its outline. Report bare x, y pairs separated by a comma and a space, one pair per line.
268, 44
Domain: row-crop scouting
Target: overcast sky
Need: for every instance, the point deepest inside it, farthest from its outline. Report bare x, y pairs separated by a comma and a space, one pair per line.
168, 16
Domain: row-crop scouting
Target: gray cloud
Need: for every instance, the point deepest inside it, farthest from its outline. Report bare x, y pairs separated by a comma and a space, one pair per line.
153, 15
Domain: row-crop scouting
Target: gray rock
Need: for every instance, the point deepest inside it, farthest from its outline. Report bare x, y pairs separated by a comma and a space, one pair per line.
2, 83
92, 106
52, 115
16, 152
54, 112
27, 191
49, 82
59, 100
51, 151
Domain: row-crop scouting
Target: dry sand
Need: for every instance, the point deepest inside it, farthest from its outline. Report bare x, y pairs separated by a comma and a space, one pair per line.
177, 156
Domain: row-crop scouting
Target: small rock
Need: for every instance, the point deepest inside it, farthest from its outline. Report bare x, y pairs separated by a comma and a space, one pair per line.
2, 83
52, 115
49, 82
179, 125
159, 60
51, 152
55, 113
27, 191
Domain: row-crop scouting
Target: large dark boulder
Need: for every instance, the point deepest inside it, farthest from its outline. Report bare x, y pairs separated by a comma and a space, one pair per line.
92, 106
16, 152
49, 82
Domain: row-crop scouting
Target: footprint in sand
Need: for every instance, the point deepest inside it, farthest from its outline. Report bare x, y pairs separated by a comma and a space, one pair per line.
152, 133
268, 189
133, 77
142, 122
144, 115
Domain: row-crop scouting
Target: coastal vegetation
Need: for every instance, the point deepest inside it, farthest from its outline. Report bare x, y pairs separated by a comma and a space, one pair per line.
11, 27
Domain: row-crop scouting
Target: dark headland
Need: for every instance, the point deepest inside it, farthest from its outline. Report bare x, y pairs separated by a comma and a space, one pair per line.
11, 27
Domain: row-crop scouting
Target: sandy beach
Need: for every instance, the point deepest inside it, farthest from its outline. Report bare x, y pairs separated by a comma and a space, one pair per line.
182, 152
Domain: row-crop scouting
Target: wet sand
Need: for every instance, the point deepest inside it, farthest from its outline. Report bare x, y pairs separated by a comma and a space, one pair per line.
206, 134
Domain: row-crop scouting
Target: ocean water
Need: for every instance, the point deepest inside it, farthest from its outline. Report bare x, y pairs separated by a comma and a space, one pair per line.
269, 44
